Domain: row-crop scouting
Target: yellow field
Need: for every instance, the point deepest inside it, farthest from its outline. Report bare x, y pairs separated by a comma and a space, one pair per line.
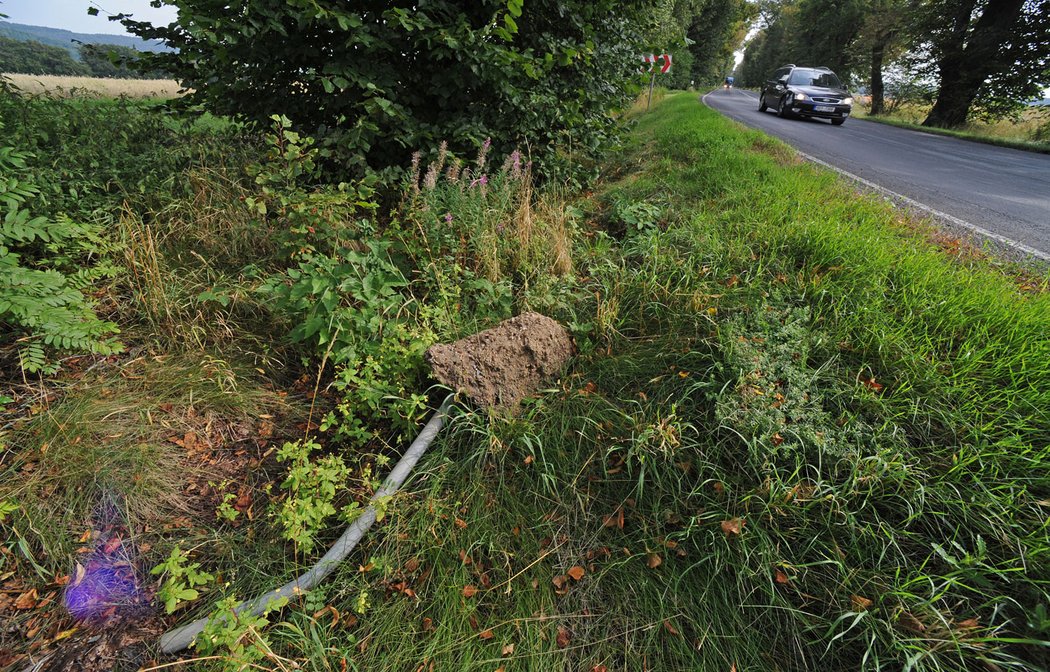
78, 86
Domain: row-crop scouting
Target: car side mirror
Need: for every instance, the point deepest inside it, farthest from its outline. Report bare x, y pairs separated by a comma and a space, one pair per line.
782, 81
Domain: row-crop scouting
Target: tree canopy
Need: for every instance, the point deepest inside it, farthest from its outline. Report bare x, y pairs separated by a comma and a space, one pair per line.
33, 58
984, 57
375, 81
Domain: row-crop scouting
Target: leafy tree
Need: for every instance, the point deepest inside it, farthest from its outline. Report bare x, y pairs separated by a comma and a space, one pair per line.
989, 56
716, 30
880, 40
115, 61
375, 80
806, 32
34, 58
771, 47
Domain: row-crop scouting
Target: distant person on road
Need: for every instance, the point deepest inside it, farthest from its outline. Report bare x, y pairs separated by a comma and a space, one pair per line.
729, 82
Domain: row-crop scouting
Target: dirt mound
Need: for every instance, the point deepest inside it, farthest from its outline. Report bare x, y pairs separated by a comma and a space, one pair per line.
499, 367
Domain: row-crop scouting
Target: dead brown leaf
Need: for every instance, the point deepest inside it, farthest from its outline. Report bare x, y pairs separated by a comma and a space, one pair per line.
469, 591
576, 573
486, 634
732, 527
871, 384
670, 628
27, 600
781, 577
860, 603
654, 561
563, 638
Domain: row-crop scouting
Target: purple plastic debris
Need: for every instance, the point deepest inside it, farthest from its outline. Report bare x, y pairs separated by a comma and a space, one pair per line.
105, 585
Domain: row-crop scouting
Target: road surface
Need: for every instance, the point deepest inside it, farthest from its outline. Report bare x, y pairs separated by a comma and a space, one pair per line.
998, 193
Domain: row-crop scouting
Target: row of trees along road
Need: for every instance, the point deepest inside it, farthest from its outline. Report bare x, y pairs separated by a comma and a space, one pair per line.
979, 58
373, 81
96, 60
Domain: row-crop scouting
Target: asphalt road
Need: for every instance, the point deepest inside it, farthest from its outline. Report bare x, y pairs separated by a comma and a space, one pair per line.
998, 193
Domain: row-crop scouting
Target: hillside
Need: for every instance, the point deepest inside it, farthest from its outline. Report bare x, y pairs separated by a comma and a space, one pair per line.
67, 39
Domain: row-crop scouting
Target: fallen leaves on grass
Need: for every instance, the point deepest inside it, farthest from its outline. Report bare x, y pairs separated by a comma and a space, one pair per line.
27, 600
860, 603
563, 638
469, 591
654, 561
576, 573
871, 384
613, 519
781, 578
732, 527
486, 634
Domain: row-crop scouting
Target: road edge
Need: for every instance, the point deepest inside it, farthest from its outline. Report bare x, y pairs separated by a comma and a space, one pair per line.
1014, 246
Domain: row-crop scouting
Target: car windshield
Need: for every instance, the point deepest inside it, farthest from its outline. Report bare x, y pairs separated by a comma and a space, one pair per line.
822, 78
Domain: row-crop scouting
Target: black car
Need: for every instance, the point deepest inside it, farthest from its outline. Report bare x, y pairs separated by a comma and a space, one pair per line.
806, 92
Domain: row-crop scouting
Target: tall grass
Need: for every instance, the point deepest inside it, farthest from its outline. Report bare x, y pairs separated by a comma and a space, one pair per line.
798, 437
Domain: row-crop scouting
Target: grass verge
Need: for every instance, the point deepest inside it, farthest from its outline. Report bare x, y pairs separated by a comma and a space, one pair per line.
972, 136
797, 437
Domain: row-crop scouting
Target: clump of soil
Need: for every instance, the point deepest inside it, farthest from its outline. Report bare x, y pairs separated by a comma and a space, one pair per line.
499, 367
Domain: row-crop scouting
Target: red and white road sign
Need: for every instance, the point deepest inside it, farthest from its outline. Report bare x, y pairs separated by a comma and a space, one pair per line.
653, 59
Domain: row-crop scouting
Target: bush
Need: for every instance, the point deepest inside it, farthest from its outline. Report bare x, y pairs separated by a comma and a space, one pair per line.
369, 81
46, 265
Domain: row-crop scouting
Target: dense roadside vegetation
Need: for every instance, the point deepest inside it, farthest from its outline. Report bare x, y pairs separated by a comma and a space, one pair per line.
802, 432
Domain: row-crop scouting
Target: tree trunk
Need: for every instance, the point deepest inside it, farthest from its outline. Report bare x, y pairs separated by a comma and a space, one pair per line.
878, 52
969, 57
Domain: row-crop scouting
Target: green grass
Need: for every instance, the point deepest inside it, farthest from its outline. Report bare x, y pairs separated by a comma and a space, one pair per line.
971, 135
778, 351
797, 436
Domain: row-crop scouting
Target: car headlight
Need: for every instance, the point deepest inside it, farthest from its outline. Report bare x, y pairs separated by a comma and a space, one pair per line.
847, 101
800, 96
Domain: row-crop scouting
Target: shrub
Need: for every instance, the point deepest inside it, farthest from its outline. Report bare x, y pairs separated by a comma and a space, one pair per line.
46, 265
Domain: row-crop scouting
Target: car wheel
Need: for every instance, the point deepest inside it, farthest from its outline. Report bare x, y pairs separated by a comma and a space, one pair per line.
837, 122
782, 108
762, 102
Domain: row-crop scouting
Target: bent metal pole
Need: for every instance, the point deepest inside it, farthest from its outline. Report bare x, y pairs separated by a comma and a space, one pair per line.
178, 639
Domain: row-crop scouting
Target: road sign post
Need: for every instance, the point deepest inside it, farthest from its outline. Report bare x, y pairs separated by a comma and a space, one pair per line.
665, 67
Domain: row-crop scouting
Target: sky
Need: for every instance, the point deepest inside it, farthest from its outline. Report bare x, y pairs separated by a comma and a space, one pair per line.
73, 14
